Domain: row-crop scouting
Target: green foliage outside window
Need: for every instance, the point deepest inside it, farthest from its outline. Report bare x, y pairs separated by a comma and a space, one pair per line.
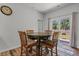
55, 25
65, 24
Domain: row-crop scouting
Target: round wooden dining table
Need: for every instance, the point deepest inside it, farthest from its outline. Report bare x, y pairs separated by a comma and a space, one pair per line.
38, 36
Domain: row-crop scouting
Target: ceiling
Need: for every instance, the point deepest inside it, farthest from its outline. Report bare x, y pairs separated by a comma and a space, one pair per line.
45, 7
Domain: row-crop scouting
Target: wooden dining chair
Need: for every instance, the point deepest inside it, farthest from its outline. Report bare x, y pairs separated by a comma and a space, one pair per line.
24, 43
51, 44
32, 40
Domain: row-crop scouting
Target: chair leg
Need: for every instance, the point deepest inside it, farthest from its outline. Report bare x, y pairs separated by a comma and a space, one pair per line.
30, 50
36, 51
51, 52
26, 51
41, 50
56, 52
21, 51
47, 51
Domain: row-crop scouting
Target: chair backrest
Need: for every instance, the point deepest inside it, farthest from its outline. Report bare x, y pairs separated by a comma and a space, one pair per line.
23, 38
55, 37
29, 31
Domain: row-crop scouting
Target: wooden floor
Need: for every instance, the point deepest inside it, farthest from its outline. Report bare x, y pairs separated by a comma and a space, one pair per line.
64, 49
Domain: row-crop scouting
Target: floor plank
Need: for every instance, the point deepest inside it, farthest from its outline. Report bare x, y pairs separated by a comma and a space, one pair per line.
64, 49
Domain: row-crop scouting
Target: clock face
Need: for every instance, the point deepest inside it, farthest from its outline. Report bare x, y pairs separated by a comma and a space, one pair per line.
6, 10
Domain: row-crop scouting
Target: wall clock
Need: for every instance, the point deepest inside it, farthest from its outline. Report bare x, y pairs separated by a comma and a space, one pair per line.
6, 10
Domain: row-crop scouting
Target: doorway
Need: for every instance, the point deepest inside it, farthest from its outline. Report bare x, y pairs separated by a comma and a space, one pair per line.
63, 24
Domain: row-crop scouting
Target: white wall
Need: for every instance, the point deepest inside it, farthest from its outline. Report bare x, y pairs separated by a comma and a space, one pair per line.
22, 18
65, 11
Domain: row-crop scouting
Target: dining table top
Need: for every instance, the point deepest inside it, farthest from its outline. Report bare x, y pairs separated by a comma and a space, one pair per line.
39, 34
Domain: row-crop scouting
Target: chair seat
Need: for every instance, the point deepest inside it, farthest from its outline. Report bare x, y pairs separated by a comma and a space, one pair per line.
48, 43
